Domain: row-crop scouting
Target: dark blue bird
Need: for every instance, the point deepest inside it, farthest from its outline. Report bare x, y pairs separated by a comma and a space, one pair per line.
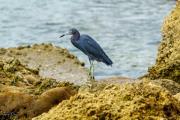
89, 47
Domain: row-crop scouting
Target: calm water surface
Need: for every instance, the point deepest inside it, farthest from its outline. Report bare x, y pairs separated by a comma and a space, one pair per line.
128, 30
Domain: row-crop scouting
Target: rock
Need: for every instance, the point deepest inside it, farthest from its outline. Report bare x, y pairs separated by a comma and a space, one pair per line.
116, 80
49, 99
49, 61
140, 100
172, 86
177, 96
24, 94
168, 60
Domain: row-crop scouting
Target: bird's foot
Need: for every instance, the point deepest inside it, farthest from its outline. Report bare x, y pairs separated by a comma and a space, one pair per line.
91, 82
91, 77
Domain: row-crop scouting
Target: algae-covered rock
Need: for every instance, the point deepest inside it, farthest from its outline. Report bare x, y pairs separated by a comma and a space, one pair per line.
116, 80
141, 100
170, 85
50, 61
24, 94
168, 60
177, 96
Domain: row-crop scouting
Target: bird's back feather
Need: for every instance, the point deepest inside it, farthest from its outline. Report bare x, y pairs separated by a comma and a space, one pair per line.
91, 48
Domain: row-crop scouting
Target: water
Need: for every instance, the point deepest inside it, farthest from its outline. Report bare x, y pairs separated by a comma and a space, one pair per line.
128, 30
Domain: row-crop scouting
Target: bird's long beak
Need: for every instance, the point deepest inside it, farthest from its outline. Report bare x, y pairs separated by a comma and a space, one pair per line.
67, 33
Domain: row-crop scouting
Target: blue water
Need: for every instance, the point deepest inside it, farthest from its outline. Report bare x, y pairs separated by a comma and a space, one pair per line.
128, 30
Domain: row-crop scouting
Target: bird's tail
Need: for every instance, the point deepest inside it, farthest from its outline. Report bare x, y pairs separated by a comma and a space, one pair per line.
107, 60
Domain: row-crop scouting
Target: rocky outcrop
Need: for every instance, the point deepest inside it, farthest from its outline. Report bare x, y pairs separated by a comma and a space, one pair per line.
50, 61
168, 60
24, 94
141, 100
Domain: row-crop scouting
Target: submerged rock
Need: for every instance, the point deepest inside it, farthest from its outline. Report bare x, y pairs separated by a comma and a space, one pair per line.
168, 60
141, 100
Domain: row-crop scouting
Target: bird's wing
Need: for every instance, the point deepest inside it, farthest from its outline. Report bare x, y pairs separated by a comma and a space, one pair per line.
79, 46
93, 48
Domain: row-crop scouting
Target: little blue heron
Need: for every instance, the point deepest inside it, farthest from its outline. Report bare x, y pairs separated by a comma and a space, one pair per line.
89, 47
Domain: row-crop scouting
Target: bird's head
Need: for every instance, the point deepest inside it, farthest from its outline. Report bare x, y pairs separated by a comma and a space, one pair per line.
72, 31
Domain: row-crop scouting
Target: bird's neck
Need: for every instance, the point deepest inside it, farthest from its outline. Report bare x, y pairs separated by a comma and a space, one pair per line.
75, 37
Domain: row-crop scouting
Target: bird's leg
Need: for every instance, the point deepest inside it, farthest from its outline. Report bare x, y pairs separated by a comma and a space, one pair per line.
92, 70
91, 74
91, 81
